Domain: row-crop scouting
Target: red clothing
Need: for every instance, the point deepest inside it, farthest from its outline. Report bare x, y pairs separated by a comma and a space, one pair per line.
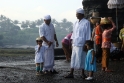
98, 35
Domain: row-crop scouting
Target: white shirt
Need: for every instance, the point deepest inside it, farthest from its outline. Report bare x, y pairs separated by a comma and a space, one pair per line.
47, 31
39, 55
81, 32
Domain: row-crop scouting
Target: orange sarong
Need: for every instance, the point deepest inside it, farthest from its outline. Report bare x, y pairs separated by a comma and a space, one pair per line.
105, 57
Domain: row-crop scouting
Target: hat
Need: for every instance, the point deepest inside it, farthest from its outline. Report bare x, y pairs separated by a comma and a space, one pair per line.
80, 10
95, 17
105, 20
47, 17
38, 38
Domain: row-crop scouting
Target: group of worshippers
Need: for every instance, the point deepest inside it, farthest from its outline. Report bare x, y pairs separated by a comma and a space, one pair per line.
81, 37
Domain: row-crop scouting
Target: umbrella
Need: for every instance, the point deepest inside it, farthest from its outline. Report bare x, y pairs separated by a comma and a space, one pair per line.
116, 4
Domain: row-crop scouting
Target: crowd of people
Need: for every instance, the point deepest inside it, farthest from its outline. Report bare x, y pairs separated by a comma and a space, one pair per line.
97, 46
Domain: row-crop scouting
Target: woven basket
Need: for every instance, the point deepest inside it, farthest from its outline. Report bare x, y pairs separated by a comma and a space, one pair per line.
93, 20
105, 20
117, 44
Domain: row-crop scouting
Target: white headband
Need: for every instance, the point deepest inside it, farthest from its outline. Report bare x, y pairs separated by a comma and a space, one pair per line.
80, 10
47, 17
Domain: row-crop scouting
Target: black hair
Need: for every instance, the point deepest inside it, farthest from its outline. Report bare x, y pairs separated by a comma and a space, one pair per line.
89, 43
106, 26
98, 22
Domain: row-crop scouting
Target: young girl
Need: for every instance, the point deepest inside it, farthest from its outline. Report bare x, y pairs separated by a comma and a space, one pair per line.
90, 61
39, 55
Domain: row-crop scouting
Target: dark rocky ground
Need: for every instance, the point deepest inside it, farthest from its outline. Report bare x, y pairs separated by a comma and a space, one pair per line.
21, 69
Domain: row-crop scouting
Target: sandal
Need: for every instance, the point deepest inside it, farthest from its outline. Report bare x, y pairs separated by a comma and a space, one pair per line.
108, 70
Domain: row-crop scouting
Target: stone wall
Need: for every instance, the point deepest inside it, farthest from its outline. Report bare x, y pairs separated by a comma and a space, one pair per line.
101, 6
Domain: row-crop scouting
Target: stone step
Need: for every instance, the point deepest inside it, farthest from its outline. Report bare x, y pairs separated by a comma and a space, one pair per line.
58, 51
58, 57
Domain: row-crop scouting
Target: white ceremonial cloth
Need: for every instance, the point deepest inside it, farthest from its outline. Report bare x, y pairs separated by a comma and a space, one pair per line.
49, 59
47, 17
48, 32
115, 4
78, 58
80, 10
39, 55
81, 33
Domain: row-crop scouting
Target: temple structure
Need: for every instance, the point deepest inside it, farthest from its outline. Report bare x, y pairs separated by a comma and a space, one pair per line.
101, 6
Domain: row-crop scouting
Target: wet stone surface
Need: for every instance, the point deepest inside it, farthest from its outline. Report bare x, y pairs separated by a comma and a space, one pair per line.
19, 70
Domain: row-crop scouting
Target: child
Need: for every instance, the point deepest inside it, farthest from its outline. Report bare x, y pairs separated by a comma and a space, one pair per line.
90, 61
39, 54
37, 40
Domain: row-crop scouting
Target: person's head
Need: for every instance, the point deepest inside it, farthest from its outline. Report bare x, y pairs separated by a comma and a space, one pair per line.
89, 44
97, 23
47, 19
39, 41
80, 13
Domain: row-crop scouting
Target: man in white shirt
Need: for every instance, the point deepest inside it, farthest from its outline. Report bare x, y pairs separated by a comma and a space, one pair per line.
81, 33
47, 33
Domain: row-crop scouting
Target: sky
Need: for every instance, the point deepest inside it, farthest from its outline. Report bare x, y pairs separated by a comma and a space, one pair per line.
32, 10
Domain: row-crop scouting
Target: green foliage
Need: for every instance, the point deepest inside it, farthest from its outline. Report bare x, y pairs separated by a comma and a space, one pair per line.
13, 34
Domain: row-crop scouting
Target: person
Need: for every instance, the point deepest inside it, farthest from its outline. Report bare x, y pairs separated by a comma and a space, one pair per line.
93, 34
98, 41
81, 33
90, 61
106, 43
47, 33
39, 54
93, 37
121, 36
37, 40
66, 46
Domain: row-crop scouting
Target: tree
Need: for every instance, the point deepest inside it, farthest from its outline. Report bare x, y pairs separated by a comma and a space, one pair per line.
32, 25
16, 22
39, 22
24, 25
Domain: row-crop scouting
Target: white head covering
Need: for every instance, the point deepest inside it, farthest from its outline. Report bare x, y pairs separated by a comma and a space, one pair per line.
47, 17
80, 10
